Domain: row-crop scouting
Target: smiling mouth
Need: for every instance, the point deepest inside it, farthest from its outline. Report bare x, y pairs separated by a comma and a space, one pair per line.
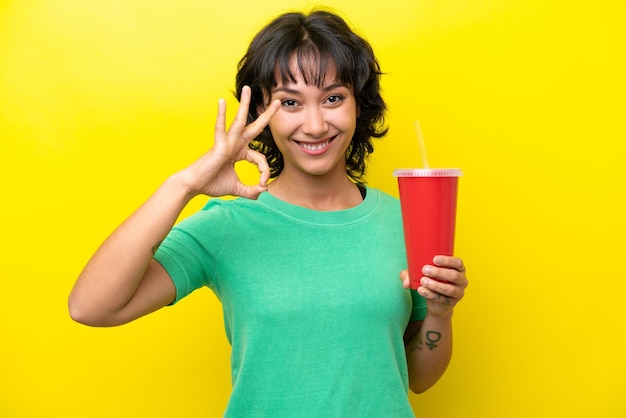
318, 146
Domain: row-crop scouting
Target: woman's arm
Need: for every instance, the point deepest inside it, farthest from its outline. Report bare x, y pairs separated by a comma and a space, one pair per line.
122, 281
428, 352
429, 342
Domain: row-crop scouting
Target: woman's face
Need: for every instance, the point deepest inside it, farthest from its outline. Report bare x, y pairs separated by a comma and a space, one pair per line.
314, 125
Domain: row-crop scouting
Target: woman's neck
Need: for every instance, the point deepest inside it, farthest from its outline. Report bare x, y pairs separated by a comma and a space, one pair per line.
323, 193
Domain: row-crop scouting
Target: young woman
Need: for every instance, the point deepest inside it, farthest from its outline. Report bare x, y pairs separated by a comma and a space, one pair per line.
306, 265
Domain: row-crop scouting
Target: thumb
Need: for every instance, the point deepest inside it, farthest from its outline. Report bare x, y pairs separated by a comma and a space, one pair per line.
251, 192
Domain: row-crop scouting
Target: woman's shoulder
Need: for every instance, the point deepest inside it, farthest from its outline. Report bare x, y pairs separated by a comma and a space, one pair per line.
382, 196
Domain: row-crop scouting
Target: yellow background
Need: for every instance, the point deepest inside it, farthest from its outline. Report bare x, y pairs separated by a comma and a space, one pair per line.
101, 100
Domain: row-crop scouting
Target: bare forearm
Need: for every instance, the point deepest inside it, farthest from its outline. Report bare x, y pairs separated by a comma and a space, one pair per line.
122, 282
429, 352
115, 271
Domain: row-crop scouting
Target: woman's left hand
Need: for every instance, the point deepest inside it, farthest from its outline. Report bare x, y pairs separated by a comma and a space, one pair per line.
443, 284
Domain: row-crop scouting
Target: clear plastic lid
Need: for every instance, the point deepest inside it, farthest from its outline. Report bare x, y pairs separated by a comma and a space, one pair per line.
427, 172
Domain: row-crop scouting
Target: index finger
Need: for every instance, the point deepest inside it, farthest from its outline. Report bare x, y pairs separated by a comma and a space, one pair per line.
450, 262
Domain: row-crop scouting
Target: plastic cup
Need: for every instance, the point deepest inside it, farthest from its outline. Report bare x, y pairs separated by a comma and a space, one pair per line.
428, 200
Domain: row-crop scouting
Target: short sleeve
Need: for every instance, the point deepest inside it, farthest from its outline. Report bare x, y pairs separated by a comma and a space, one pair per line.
418, 313
190, 251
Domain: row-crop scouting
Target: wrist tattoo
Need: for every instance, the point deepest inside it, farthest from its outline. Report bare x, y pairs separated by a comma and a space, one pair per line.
432, 337
418, 343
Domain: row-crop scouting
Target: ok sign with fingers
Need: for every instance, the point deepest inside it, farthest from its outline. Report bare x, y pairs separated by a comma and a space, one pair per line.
213, 174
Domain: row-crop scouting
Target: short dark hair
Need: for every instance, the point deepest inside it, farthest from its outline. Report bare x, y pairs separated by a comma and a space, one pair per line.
328, 39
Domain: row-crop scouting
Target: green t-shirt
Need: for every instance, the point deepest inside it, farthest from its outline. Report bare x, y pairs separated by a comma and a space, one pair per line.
313, 305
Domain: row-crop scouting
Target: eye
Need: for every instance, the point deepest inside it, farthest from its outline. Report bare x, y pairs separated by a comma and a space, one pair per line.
289, 102
335, 98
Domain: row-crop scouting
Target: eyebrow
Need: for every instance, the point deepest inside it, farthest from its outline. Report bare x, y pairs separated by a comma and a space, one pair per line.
293, 91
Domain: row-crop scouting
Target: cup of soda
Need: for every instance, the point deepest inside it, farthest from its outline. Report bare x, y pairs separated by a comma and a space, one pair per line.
428, 198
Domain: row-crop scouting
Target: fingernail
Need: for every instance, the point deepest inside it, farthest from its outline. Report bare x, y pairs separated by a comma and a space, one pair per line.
438, 260
426, 270
423, 281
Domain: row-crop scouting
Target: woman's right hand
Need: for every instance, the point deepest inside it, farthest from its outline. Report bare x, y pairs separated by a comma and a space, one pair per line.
213, 174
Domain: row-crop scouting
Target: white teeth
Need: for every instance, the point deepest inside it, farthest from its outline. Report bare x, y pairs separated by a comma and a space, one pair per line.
313, 147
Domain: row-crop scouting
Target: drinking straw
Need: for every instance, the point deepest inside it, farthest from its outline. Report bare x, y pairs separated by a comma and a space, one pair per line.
422, 145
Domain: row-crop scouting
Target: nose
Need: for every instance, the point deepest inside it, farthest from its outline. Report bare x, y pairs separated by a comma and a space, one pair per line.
314, 123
